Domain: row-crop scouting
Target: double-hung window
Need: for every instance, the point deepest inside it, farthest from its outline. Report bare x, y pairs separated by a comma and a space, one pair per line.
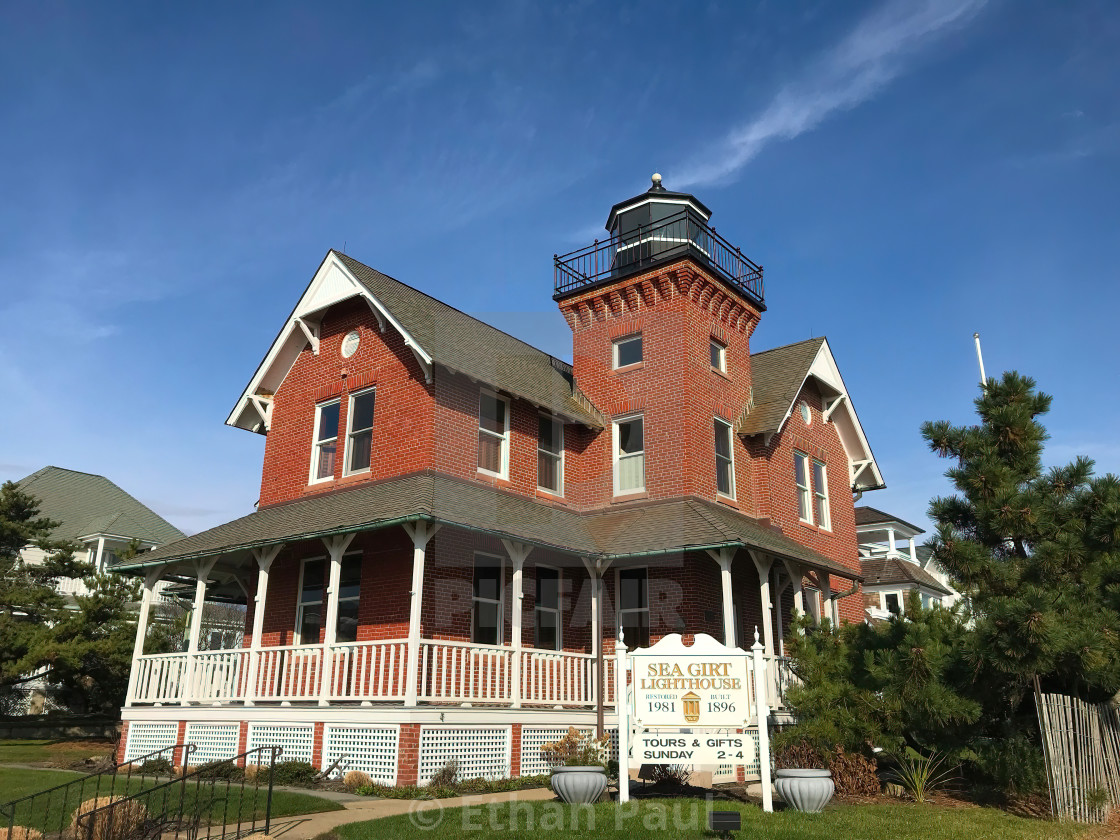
493, 434
718, 355
633, 606
359, 434
546, 634
309, 609
820, 495
725, 459
629, 455
804, 493
325, 446
486, 606
550, 454
349, 595
892, 602
627, 351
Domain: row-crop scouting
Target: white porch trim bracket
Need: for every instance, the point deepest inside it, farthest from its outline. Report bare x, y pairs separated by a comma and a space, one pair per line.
264, 558
797, 578
762, 565
517, 553
202, 571
723, 557
336, 547
420, 533
151, 578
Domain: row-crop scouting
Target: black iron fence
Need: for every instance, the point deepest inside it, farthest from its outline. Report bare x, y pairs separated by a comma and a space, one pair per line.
682, 234
155, 797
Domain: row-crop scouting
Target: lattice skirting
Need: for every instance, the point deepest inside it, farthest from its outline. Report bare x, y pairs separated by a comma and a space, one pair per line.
480, 750
752, 771
371, 749
535, 737
214, 741
144, 738
297, 740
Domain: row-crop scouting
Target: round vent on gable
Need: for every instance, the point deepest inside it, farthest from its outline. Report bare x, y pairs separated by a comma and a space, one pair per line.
350, 344
806, 414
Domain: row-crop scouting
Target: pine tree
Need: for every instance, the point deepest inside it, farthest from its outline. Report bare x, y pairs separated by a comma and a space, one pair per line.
1036, 551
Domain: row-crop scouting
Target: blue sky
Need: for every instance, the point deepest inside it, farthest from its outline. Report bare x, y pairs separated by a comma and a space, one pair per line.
907, 172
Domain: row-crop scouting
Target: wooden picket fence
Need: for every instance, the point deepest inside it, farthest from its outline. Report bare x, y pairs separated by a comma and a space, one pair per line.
1081, 744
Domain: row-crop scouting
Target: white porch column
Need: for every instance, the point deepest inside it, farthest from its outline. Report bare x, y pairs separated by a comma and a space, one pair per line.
420, 533
724, 557
150, 579
796, 577
763, 565
336, 547
517, 553
779, 589
890, 539
826, 596
100, 555
202, 570
264, 558
913, 551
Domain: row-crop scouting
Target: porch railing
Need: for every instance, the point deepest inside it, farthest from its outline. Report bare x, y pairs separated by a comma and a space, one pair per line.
376, 671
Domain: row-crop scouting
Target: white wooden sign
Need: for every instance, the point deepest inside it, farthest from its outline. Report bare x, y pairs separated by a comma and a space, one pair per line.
702, 689
692, 748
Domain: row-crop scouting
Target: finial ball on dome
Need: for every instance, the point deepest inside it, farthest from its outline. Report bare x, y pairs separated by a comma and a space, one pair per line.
656, 178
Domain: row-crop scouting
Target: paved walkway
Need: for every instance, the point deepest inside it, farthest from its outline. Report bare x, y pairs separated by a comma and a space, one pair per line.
312, 825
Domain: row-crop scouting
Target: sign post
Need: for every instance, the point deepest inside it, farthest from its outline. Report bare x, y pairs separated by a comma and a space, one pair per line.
703, 688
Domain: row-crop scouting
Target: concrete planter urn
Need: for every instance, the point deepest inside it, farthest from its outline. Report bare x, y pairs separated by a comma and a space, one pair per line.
579, 785
805, 790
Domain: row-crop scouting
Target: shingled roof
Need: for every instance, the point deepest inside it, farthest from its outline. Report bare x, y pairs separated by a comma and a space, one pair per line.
776, 378
626, 531
84, 504
468, 345
873, 516
882, 571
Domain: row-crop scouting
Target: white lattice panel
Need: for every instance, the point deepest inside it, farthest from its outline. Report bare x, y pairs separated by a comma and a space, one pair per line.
534, 737
213, 741
481, 751
726, 772
295, 739
371, 749
144, 738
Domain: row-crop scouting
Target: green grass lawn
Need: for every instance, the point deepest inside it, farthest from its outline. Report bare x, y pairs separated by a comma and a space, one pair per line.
687, 818
220, 803
54, 753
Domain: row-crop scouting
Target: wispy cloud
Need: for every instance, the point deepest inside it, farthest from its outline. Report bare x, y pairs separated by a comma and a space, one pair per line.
872, 55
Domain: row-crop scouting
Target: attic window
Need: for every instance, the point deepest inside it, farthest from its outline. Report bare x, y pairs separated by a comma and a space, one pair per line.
350, 344
806, 413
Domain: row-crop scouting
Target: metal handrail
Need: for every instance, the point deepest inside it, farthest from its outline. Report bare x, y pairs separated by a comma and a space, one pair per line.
682, 234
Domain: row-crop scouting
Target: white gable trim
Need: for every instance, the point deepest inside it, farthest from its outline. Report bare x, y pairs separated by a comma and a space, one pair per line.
331, 284
861, 460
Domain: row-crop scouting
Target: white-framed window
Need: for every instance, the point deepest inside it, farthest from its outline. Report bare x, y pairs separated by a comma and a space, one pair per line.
309, 607
627, 351
629, 455
633, 606
550, 454
820, 495
359, 432
725, 459
325, 445
548, 627
718, 352
892, 602
493, 434
806, 413
804, 492
349, 597
486, 603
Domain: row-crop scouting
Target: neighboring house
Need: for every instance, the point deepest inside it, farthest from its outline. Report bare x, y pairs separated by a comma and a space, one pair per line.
97, 515
453, 525
891, 571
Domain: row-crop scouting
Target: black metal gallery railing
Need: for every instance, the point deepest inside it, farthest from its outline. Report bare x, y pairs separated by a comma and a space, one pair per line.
682, 234
221, 799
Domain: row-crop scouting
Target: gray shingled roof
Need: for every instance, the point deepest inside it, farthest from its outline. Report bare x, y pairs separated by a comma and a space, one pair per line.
881, 571
873, 516
776, 378
641, 528
86, 504
465, 344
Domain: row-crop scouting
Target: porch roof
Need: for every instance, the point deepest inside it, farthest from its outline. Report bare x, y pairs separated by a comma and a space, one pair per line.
641, 528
